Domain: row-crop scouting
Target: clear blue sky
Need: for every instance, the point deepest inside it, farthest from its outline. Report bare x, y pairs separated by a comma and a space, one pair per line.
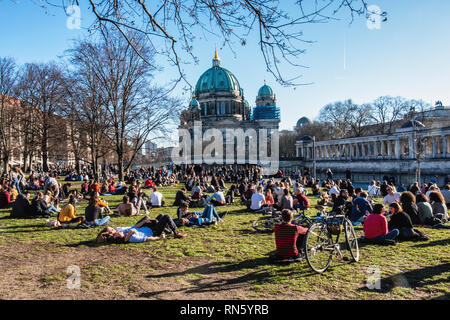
408, 56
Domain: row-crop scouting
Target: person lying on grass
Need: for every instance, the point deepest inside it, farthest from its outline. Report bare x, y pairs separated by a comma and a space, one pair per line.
289, 237
196, 218
146, 229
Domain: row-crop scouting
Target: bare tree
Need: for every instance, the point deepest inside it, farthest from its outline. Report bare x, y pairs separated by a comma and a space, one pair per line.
339, 116
42, 88
8, 81
360, 118
386, 110
174, 26
134, 108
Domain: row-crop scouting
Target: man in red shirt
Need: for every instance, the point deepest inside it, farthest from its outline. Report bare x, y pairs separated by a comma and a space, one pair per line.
300, 200
289, 237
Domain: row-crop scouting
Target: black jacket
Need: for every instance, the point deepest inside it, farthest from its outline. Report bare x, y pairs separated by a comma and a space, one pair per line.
21, 207
39, 208
413, 211
400, 220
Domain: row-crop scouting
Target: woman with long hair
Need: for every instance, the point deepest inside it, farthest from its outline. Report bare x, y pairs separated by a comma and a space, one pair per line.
408, 203
438, 205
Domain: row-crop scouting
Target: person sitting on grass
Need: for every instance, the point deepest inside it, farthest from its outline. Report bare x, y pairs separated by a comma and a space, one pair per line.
361, 207
68, 213
101, 203
126, 208
217, 198
181, 197
408, 203
425, 210
156, 199
232, 192
196, 218
301, 202
93, 214
438, 205
268, 197
21, 207
5, 199
39, 206
376, 226
144, 230
289, 237
402, 222
257, 201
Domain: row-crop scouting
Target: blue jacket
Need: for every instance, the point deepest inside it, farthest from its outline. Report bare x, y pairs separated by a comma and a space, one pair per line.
360, 207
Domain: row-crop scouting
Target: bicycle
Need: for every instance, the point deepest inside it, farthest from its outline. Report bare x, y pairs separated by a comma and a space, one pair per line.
319, 246
267, 224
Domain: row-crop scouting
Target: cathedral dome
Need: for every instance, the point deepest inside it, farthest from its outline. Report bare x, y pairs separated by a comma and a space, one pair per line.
217, 79
302, 121
265, 90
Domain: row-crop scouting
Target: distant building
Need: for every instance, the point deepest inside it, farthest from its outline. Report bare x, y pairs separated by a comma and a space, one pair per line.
149, 149
219, 103
420, 142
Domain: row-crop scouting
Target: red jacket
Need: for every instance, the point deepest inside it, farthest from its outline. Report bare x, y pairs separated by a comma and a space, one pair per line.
286, 235
375, 225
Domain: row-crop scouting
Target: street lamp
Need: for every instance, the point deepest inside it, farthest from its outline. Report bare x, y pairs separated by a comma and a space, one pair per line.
307, 140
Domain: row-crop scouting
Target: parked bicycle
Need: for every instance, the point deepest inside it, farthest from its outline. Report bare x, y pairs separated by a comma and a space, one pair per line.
319, 246
267, 224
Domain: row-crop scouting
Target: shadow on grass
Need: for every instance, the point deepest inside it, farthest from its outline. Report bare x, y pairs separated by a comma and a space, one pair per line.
442, 242
262, 271
413, 279
87, 243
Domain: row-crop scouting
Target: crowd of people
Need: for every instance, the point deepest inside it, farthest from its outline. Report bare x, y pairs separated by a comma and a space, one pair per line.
395, 218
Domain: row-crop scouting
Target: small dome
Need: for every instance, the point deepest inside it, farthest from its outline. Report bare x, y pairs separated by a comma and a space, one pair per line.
306, 138
194, 103
413, 124
302, 121
265, 90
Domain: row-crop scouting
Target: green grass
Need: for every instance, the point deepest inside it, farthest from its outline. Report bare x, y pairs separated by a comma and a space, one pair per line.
231, 256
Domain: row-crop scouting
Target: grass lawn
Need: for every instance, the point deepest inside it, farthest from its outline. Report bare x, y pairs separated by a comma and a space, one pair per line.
227, 261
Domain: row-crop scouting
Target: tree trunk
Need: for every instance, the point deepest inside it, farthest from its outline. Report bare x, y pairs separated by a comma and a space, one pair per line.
44, 151
120, 164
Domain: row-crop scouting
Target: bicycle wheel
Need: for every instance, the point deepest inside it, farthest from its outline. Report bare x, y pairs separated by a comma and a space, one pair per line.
265, 224
351, 240
318, 247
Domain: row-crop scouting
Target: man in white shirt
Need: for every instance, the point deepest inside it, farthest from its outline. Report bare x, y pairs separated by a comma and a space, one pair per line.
217, 199
156, 198
391, 197
258, 200
334, 190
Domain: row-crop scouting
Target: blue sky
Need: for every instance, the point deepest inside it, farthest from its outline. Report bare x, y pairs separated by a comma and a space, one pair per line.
408, 56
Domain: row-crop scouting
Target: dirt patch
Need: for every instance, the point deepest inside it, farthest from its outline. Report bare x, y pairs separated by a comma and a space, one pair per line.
37, 271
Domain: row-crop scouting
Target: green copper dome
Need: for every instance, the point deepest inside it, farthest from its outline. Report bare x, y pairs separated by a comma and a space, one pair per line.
265, 90
217, 79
